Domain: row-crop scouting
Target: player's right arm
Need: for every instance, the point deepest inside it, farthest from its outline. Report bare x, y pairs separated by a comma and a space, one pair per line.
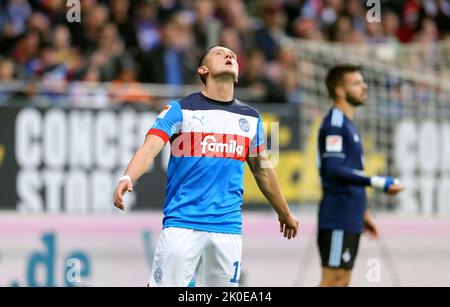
139, 164
167, 123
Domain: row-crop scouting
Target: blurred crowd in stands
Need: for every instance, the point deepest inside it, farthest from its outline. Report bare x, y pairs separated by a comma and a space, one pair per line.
130, 43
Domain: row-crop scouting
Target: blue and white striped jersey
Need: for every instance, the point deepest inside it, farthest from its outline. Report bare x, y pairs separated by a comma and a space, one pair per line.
210, 141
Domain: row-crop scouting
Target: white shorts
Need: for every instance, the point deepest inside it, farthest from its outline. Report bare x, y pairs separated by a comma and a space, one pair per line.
214, 258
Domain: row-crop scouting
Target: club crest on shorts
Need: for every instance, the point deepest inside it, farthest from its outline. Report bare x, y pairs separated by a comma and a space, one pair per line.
346, 256
244, 125
158, 275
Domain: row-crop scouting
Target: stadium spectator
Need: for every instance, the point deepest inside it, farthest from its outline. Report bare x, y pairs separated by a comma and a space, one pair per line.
355, 11
205, 21
109, 52
147, 26
307, 28
7, 73
233, 13
120, 16
375, 34
16, 13
391, 25
7, 70
125, 88
39, 22
24, 51
89, 92
169, 62
261, 88
428, 32
330, 13
65, 53
272, 32
87, 33
284, 71
411, 13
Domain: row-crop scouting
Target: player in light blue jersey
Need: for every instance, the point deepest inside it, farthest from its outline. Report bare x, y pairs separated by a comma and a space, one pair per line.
211, 135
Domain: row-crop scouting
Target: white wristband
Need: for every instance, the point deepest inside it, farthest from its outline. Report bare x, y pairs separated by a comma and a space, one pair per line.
378, 182
126, 177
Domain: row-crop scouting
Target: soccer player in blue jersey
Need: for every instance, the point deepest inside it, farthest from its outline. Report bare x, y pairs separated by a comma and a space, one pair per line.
211, 134
343, 213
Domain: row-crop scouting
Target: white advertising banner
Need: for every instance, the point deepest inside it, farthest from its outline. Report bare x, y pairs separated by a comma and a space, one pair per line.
77, 251
422, 160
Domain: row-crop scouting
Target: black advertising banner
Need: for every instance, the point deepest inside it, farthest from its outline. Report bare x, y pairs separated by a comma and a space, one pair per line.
8, 167
69, 160
66, 160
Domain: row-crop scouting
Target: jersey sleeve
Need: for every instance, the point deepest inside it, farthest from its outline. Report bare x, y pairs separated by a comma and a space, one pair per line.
332, 143
168, 121
257, 144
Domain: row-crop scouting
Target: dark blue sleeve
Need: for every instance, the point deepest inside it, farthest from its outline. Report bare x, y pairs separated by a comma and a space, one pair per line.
332, 143
334, 168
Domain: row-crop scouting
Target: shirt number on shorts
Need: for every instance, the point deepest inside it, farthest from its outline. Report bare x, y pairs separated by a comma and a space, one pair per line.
236, 270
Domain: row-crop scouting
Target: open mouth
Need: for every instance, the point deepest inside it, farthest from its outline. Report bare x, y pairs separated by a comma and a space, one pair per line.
229, 63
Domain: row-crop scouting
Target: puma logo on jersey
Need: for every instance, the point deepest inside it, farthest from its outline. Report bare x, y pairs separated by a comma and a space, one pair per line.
199, 119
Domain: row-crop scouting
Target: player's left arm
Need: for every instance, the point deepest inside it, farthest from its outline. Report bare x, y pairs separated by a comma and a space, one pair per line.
395, 188
332, 144
370, 226
267, 181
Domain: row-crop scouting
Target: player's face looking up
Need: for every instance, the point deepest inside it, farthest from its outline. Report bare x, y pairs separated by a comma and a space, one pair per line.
220, 62
355, 89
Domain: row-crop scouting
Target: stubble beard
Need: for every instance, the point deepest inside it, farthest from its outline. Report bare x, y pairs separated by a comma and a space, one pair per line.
354, 101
